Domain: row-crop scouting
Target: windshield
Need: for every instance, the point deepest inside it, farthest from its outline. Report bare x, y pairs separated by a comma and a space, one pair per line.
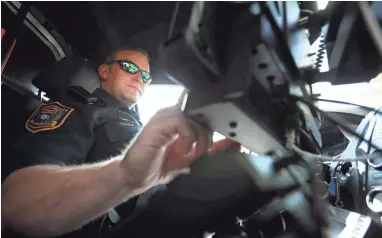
365, 94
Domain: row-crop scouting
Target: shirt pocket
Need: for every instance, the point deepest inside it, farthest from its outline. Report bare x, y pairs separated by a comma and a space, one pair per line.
120, 132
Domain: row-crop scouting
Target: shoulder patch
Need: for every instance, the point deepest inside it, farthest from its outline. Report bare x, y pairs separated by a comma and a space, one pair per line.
48, 117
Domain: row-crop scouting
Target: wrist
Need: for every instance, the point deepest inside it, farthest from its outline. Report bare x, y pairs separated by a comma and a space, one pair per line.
124, 177
115, 172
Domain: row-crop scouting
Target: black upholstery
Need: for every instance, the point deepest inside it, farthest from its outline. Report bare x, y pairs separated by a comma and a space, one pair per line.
72, 70
16, 108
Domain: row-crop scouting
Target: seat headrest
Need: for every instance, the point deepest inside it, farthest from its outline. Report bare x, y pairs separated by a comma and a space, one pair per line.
70, 71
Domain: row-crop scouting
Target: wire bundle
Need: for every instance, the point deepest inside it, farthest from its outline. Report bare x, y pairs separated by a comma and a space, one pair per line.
334, 121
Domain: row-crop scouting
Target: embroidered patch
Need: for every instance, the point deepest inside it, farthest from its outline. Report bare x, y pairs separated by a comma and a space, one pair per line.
48, 117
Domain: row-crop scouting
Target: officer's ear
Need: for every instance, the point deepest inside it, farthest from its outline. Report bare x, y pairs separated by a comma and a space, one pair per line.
103, 72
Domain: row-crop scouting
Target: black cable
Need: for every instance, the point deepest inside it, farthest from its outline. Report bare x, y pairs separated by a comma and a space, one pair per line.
347, 103
310, 193
349, 131
312, 143
311, 105
334, 121
285, 21
357, 201
336, 168
100, 232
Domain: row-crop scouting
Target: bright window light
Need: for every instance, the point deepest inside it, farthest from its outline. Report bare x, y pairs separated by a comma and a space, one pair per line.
367, 94
322, 4
157, 97
217, 137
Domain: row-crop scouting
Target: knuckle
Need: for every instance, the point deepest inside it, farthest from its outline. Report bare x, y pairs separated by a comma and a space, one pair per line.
176, 120
180, 120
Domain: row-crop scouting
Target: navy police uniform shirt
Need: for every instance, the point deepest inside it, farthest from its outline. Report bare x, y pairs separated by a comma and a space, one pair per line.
72, 133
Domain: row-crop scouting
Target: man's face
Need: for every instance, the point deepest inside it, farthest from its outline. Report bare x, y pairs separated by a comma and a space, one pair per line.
126, 87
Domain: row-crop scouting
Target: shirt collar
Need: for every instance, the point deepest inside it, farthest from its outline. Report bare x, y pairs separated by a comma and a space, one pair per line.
107, 98
111, 101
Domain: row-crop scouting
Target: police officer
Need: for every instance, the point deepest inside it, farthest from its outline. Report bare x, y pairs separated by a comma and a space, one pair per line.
79, 160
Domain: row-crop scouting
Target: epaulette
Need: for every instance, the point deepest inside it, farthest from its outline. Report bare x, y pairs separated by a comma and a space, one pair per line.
80, 94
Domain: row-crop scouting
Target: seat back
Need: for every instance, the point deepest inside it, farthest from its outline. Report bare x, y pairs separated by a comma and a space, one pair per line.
70, 71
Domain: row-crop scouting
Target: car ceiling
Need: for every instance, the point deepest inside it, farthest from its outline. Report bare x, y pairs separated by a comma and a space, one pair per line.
93, 28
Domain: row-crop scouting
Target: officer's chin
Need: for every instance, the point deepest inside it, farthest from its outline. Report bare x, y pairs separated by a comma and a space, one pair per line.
131, 99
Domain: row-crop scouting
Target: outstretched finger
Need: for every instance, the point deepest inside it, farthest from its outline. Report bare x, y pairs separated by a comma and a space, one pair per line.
182, 100
187, 134
203, 139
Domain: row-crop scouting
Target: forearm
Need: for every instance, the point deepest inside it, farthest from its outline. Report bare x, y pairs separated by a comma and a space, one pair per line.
52, 200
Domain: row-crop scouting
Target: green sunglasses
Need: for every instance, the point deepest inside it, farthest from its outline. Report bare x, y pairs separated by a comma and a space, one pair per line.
132, 68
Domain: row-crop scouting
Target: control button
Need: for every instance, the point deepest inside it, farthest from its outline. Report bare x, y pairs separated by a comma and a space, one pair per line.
376, 162
374, 200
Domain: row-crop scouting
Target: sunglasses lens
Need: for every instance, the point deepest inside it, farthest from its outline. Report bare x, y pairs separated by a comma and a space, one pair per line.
146, 76
130, 67
133, 69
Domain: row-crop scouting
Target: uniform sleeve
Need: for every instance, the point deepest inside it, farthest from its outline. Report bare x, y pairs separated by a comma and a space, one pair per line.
56, 135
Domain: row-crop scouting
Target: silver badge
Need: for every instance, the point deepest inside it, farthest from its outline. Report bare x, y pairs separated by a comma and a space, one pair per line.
44, 117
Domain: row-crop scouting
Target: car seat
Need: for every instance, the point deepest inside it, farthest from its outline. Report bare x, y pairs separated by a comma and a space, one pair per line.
53, 80
71, 71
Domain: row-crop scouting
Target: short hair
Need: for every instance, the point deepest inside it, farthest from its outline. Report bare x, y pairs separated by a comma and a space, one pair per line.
112, 54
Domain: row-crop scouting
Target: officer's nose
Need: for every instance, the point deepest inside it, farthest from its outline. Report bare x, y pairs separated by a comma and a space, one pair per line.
139, 78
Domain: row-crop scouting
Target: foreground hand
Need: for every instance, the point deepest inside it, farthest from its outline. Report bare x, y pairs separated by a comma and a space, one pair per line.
166, 146
175, 160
